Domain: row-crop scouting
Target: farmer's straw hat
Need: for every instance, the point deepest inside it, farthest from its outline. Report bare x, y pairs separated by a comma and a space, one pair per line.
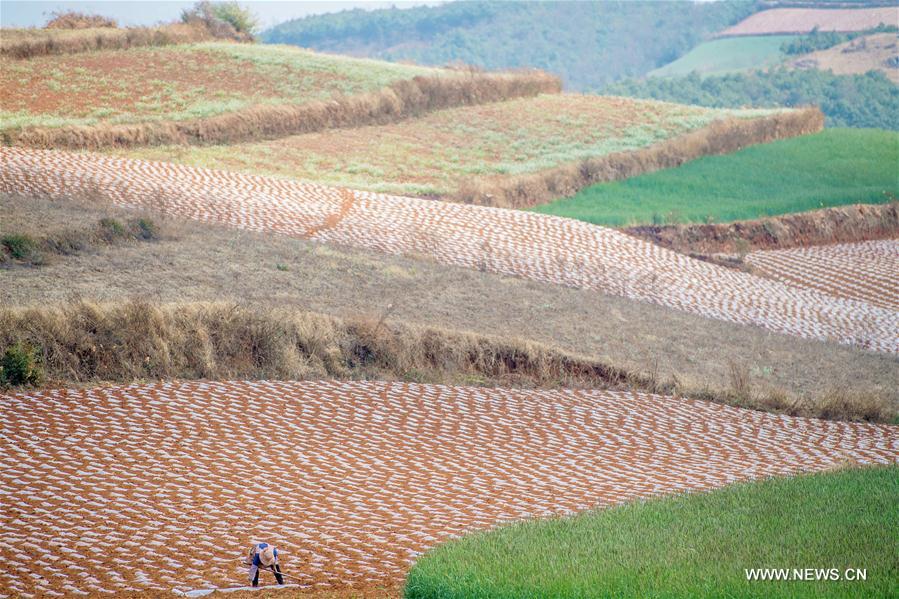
267, 556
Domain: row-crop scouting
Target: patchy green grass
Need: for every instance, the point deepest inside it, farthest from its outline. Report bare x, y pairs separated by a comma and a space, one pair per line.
832, 168
443, 150
180, 82
727, 55
694, 545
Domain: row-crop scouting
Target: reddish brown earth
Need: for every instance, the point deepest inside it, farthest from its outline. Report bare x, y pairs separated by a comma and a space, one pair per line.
163, 486
803, 20
866, 271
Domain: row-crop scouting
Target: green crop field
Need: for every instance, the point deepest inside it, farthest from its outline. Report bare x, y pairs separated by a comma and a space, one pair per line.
438, 153
727, 55
831, 168
693, 545
178, 82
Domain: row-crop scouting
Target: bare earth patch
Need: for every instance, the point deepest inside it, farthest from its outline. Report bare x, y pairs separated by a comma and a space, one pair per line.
869, 53
803, 20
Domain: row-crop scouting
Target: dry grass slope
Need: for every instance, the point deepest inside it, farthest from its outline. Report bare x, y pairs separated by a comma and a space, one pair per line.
22, 44
401, 99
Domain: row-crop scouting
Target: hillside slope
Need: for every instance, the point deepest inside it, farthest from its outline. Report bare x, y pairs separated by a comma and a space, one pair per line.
832, 168
535, 246
223, 92
872, 52
587, 44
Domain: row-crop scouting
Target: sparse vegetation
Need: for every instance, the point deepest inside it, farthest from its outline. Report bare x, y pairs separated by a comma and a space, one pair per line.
696, 544
821, 40
870, 100
223, 92
33, 251
515, 153
832, 168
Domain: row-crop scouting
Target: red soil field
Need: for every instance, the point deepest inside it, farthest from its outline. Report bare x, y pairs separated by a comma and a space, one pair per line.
351, 480
526, 244
867, 271
803, 20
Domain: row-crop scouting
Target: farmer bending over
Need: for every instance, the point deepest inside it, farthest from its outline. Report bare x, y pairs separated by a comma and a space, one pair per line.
263, 555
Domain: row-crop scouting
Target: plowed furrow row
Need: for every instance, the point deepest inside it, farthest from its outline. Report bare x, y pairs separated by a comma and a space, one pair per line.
350, 480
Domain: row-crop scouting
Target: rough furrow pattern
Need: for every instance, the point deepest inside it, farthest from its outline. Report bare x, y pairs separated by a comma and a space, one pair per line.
351, 480
526, 244
866, 271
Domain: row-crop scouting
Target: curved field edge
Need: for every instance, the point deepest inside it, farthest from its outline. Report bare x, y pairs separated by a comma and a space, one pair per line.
687, 545
833, 167
91, 343
399, 100
720, 137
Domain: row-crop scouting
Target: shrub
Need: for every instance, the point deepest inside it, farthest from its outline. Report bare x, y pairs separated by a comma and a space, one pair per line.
22, 247
145, 229
20, 365
77, 20
222, 19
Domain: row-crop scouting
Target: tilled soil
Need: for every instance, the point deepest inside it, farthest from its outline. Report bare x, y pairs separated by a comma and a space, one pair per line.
867, 271
164, 486
530, 245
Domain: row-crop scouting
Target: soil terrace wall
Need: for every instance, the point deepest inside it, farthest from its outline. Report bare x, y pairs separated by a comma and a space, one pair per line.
843, 224
721, 137
401, 99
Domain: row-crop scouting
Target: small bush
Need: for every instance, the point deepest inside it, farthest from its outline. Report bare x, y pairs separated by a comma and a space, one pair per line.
20, 365
22, 247
111, 229
145, 229
77, 20
223, 19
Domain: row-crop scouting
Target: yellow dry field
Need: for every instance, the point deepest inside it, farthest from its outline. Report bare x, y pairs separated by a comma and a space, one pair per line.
869, 53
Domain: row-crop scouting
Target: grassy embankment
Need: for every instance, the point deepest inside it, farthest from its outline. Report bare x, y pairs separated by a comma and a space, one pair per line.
727, 55
693, 545
831, 168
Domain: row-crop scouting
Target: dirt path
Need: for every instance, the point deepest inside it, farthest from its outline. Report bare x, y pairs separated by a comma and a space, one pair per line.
530, 245
170, 482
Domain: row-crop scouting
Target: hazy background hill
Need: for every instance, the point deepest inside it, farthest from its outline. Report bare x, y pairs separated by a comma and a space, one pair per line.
588, 44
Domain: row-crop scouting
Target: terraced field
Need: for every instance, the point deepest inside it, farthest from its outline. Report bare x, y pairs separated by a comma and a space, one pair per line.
525, 244
866, 271
443, 152
350, 480
179, 82
803, 20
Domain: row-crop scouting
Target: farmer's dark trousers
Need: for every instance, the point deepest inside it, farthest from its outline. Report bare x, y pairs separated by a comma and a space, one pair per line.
276, 569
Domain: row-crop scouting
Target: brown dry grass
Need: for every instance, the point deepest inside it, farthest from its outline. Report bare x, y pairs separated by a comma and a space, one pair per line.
77, 20
843, 224
528, 333
400, 100
721, 137
25, 44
